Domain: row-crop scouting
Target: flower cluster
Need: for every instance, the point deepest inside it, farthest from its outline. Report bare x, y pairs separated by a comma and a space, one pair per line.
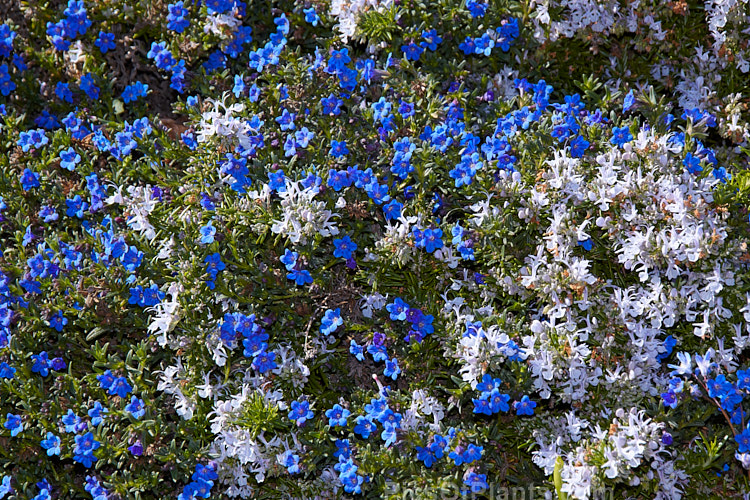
322, 249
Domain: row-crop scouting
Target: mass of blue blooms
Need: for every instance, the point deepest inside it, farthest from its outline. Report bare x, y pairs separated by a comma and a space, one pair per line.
374, 249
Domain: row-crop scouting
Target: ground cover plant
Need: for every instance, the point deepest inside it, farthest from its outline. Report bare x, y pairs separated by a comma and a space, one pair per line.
374, 249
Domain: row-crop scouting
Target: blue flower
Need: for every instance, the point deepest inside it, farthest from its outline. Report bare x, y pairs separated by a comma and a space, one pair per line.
105, 41
331, 321
431, 39
498, 401
743, 440
669, 399
161, 55
62, 91
406, 109
5, 486
290, 461
84, 450
239, 86
389, 418
264, 361
178, 17
218, 6
718, 387
338, 180
391, 369
6, 84
311, 16
134, 91
397, 309
205, 473
620, 136
388, 435
277, 181
71, 421
290, 146
282, 24
392, 210
425, 455
343, 450
58, 364
41, 363
286, 120
477, 9
29, 179
58, 321
289, 259
76, 207
152, 295
136, 296
488, 383
669, 344
482, 404
628, 102
300, 412
106, 379
472, 454
356, 350
46, 120
136, 448
120, 387
95, 489
300, 276
477, 482
69, 159
214, 265
432, 239
303, 137
136, 407
89, 87
743, 379
198, 488
412, 51
364, 427
6, 371
254, 344
338, 61
721, 174
525, 406
48, 214
344, 247
376, 408
463, 174
483, 45
331, 105
338, 149
13, 424
578, 146
378, 352
352, 482
424, 324
337, 416
207, 233
51, 444
43, 492
587, 244
692, 164
97, 413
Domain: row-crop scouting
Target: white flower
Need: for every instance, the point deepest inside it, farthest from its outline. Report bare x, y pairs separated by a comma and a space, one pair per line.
221, 24
303, 216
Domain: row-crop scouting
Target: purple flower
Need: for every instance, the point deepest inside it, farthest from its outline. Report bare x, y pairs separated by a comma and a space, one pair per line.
136, 448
